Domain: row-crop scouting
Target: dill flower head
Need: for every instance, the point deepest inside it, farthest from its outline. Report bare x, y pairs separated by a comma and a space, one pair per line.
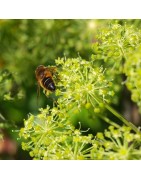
50, 135
40, 132
80, 82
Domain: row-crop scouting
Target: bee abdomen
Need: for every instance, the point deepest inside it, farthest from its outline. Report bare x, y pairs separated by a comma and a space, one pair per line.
48, 83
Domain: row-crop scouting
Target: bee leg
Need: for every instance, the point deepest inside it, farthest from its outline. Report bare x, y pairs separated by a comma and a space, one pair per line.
45, 92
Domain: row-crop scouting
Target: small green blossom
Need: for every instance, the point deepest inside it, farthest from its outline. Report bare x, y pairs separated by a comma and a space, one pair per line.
97, 110
87, 105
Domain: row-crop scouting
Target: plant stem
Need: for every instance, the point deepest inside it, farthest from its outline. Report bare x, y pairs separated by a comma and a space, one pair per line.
122, 118
107, 120
119, 116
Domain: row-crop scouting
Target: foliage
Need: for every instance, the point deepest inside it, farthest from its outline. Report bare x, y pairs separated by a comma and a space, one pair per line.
95, 60
9, 86
51, 134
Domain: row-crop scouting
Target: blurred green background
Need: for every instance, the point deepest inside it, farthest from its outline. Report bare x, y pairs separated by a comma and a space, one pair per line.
24, 45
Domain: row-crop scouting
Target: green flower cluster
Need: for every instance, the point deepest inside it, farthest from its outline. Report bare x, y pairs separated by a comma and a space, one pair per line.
113, 48
132, 69
115, 41
88, 85
118, 144
50, 135
81, 84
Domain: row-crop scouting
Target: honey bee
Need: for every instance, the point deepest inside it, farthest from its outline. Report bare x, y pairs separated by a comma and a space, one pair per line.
44, 76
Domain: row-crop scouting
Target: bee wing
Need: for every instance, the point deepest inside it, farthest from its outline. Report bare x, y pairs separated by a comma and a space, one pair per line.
52, 69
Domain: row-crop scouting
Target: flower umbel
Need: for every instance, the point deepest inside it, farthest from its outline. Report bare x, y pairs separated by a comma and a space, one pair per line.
118, 143
50, 135
80, 81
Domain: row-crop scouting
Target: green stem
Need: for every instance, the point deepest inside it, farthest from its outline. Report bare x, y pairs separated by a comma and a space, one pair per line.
123, 54
120, 117
107, 120
75, 150
122, 51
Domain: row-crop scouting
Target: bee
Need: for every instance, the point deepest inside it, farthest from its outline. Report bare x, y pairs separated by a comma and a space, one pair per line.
44, 76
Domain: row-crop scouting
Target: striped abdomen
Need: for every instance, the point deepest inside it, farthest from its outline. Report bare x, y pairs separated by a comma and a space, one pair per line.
48, 83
